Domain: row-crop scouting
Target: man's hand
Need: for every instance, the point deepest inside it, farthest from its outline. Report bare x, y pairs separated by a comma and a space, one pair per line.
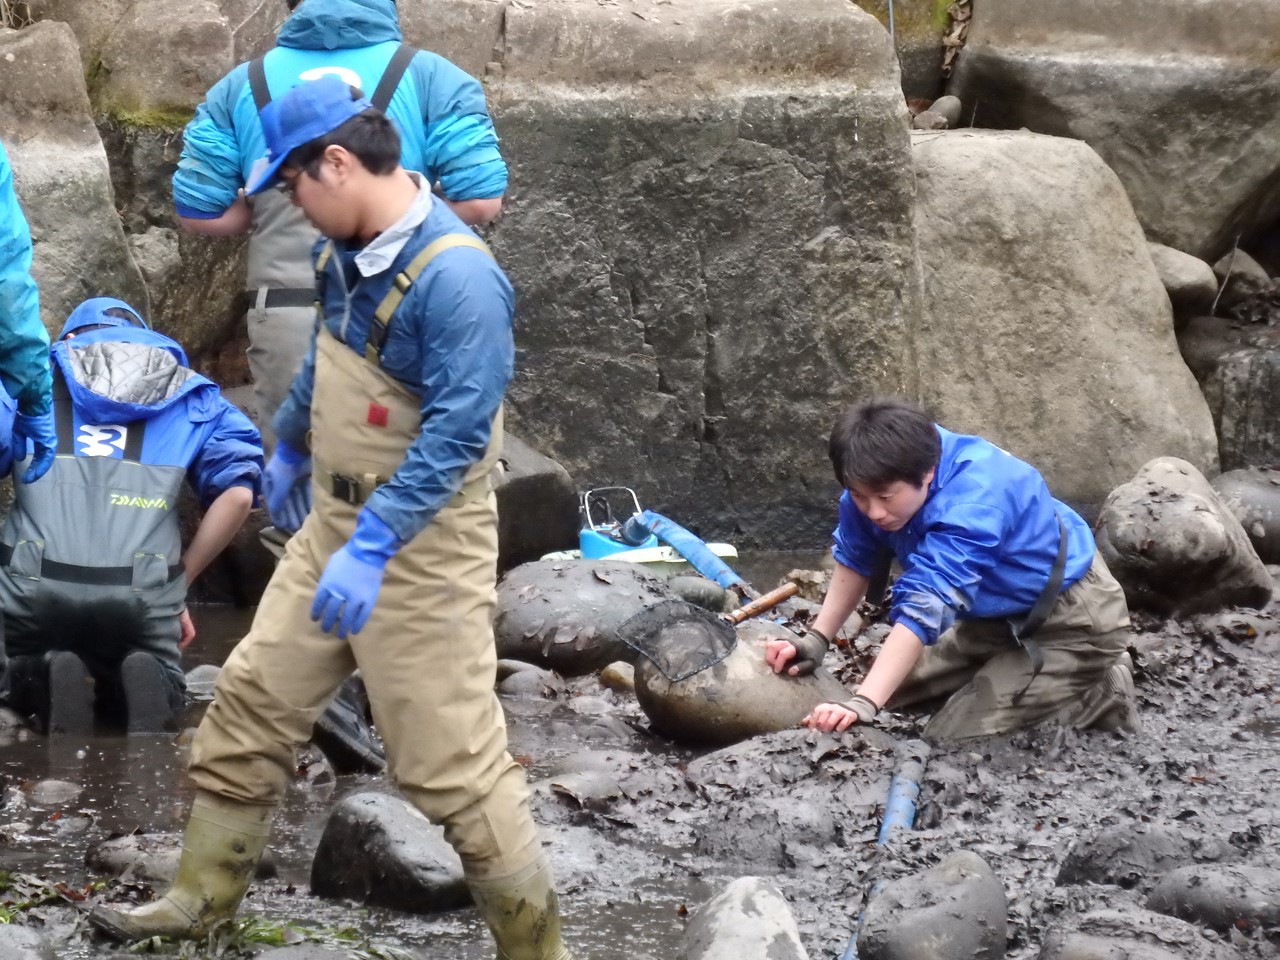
349, 586
778, 653
38, 429
799, 657
286, 486
839, 717
188, 629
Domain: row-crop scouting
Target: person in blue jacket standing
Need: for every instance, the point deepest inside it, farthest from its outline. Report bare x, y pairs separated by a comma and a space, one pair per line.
445, 133
93, 578
394, 424
24, 349
1003, 605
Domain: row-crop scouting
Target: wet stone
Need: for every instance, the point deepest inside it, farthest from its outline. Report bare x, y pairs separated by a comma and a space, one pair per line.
200, 681
152, 857
1128, 855
565, 614
527, 681
51, 793
1252, 494
306, 951
1132, 934
379, 850
20, 943
956, 910
1222, 897
705, 593
738, 697
619, 676
747, 920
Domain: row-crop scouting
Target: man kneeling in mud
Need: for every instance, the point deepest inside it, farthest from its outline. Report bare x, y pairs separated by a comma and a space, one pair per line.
1003, 601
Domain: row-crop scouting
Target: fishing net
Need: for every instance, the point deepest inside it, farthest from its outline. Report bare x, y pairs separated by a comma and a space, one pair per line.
678, 638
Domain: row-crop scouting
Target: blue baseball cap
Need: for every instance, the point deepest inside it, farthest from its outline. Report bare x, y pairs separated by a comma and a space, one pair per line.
307, 111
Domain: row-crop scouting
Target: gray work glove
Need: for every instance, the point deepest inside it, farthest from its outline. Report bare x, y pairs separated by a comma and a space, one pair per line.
811, 649
864, 707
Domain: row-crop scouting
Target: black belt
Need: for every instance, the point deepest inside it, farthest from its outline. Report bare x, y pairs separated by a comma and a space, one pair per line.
1025, 630
93, 576
281, 297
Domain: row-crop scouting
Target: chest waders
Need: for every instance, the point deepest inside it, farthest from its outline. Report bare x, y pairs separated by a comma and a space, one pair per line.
279, 298
426, 654
95, 542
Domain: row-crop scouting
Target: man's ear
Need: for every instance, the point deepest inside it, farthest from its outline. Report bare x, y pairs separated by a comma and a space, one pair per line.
339, 160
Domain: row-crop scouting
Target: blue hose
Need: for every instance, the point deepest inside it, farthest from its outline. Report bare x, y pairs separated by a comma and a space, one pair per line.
899, 816
691, 548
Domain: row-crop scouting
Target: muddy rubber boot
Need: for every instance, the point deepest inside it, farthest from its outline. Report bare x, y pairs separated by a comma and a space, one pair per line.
522, 914
69, 708
1113, 703
148, 695
220, 850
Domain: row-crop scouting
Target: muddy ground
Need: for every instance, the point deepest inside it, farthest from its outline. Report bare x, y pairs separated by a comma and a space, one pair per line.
642, 831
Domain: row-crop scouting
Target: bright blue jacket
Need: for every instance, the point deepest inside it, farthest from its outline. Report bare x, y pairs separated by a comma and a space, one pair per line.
24, 343
193, 427
981, 547
450, 343
445, 130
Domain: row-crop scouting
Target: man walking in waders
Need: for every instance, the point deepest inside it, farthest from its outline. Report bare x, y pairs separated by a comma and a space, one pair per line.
445, 132
394, 569
1004, 603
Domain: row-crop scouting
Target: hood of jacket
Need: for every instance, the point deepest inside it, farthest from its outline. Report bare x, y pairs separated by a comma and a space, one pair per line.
118, 375
340, 24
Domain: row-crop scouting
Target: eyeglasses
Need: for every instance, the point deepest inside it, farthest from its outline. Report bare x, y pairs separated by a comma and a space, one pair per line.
289, 186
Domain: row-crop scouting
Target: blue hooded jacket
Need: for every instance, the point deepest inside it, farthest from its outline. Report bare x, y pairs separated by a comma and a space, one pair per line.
981, 546
121, 372
24, 343
445, 130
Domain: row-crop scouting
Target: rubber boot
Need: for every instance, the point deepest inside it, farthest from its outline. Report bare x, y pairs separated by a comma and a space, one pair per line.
220, 850
522, 914
1113, 703
151, 699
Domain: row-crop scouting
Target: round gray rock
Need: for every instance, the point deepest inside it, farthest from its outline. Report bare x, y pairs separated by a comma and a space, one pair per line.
1174, 546
1128, 855
1252, 495
1132, 934
152, 857
738, 697
565, 614
379, 850
1189, 281
1220, 896
747, 920
953, 911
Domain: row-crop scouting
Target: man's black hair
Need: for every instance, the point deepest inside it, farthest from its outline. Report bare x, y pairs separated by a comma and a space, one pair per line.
884, 440
370, 136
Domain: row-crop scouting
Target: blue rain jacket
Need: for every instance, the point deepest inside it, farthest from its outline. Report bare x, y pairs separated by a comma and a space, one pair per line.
450, 343
981, 547
192, 427
24, 343
445, 130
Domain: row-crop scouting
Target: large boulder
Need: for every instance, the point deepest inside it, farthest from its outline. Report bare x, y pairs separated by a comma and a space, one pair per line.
1133, 935
1223, 897
709, 224
565, 614
1252, 494
738, 697
537, 505
1238, 366
380, 851
1194, 137
60, 174
953, 911
747, 920
1174, 547
1045, 326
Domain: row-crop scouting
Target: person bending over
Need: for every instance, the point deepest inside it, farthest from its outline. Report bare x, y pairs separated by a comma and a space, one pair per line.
1004, 604
93, 582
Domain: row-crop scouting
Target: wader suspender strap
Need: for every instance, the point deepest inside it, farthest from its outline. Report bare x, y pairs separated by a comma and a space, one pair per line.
381, 98
380, 325
258, 83
1025, 630
64, 419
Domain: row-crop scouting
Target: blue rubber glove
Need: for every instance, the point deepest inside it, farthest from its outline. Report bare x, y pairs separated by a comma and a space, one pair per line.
286, 485
39, 429
349, 586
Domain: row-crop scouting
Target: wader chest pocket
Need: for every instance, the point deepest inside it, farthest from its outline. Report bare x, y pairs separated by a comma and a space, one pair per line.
28, 556
149, 571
